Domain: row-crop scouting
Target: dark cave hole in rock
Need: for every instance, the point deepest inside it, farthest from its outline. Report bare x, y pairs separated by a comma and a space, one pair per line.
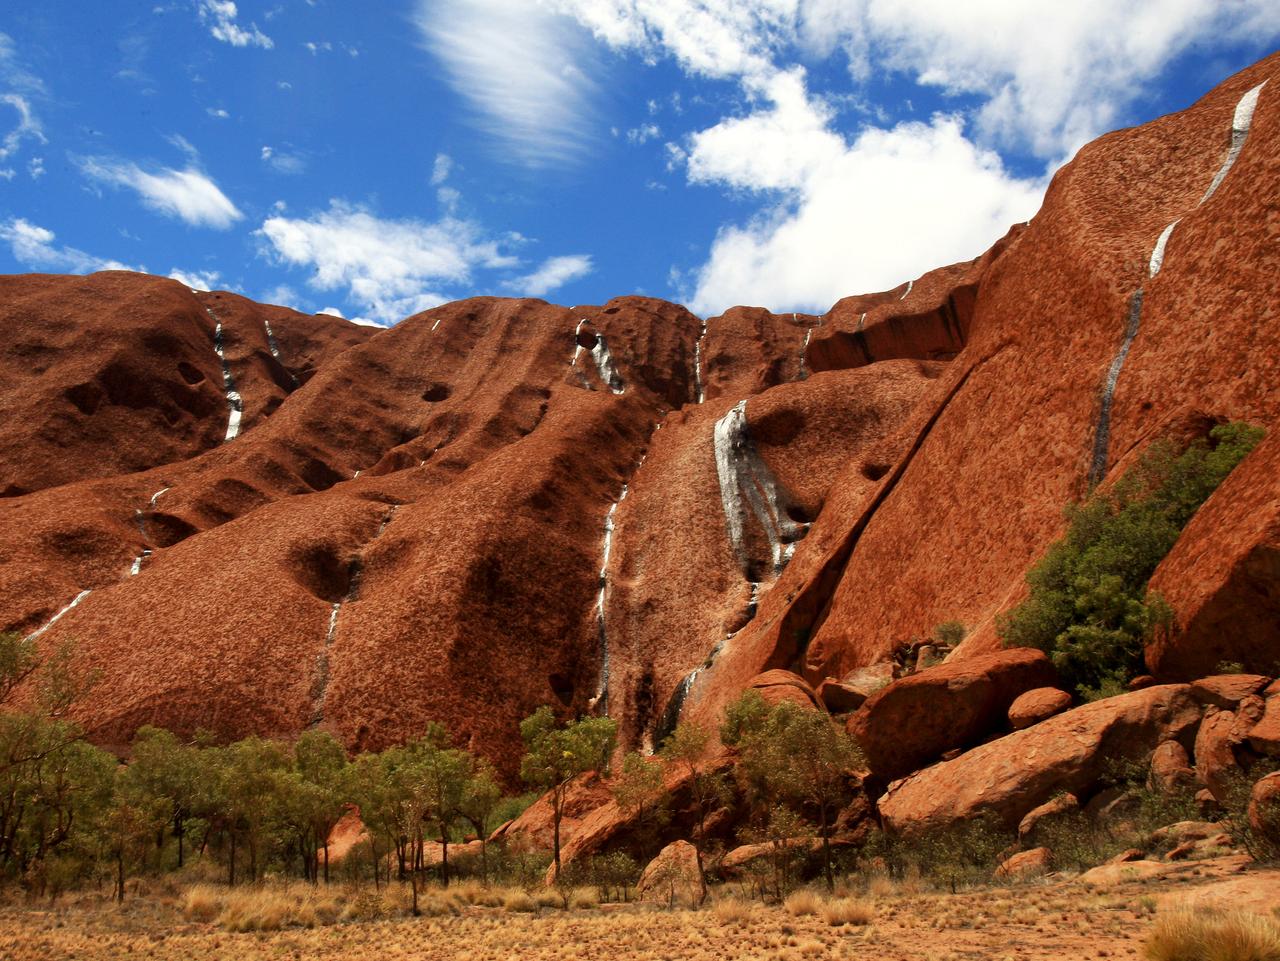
189, 373
562, 687
436, 393
874, 472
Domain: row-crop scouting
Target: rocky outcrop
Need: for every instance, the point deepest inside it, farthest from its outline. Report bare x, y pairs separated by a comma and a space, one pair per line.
919, 717
1016, 773
672, 877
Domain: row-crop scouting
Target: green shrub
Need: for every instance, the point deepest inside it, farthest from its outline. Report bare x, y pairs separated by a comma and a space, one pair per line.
1089, 607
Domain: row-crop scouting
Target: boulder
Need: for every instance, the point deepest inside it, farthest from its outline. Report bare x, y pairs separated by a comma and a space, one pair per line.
1112, 804
917, 718
1171, 768
672, 876
743, 857
1125, 857
1026, 864
1015, 774
1215, 758
585, 795
838, 697
1141, 681
777, 686
1032, 826
1222, 577
870, 679
1264, 807
1265, 735
1034, 706
1227, 690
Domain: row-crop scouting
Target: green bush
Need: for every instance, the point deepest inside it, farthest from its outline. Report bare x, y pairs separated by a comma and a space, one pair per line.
1089, 607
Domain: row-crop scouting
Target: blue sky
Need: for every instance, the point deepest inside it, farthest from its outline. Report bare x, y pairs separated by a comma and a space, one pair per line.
377, 159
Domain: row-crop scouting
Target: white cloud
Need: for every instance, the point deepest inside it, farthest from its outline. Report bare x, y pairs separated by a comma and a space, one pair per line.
27, 128
35, 167
391, 268
553, 273
331, 311
528, 74
217, 113
189, 195
285, 163
441, 169
644, 133
220, 17
33, 246
860, 216
197, 279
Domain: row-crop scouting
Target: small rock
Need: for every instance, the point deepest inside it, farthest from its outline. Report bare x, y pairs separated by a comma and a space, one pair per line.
1142, 681
868, 680
1215, 759
1038, 818
777, 685
1264, 807
1124, 857
1111, 804
1026, 864
1037, 705
1227, 690
1265, 735
672, 876
840, 698
1171, 768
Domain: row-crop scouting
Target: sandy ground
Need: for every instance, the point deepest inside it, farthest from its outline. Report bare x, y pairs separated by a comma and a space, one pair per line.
1098, 916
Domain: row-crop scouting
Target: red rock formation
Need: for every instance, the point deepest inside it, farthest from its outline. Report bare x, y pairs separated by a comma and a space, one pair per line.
1035, 706
1070, 752
919, 717
450, 521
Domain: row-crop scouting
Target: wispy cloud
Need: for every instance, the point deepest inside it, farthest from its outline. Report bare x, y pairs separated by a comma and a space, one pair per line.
188, 195
220, 17
555, 272
527, 73
390, 268
283, 161
28, 126
33, 246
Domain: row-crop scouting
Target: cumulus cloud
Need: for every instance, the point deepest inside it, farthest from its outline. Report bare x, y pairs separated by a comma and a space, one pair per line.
527, 73
197, 279
441, 169
188, 195
220, 17
856, 216
33, 246
391, 268
553, 273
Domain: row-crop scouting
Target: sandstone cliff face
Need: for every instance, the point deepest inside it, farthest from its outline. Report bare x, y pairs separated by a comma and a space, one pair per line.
252, 520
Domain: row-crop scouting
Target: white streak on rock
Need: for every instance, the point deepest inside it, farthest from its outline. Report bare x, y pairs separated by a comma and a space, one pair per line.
234, 401
862, 321
57, 617
746, 481
910, 284
1157, 254
697, 364
604, 364
1240, 125
156, 496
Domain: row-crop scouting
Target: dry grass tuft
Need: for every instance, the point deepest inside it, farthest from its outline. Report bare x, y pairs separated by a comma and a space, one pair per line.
519, 902
1187, 934
802, 902
264, 908
731, 910
848, 911
583, 899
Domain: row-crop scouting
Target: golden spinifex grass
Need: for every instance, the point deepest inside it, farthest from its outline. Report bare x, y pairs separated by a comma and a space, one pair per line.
1213, 934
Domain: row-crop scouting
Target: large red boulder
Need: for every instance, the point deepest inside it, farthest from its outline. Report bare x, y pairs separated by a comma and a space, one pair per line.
919, 717
1222, 577
1035, 706
1070, 752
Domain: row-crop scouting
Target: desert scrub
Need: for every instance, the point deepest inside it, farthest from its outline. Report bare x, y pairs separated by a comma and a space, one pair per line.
1186, 934
1089, 607
847, 911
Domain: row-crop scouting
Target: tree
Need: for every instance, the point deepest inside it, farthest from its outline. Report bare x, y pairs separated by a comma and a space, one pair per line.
164, 768
555, 755
686, 750
798, 756
322, 765
1088, 605
250, 780
640, 791
481, 795
129, 822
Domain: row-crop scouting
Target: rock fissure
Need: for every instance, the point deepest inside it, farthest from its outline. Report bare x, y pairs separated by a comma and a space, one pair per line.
234, 400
